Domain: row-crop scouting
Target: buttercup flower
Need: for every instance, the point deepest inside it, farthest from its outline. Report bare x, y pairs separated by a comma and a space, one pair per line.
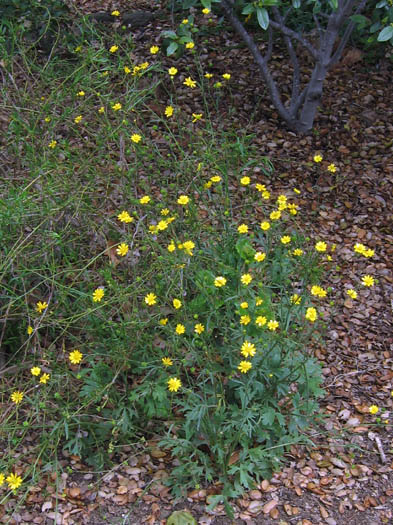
127, 70
14, 481
244, 304
272, 325
243, 228
78, 119
297, 252
171, 247
169, 111
258, 301
205, 10
352, 293
180, 329
183, 200
292, 208
245, 181
52, 144
101, 109
176, 303
275, 215
167, 361
199, 328
184, 21
260, 320
245, 320
154, 50
189, 82
244, 366
44, 378
164, 321
220, 281
113, 49
150, 299
296, 299
321, 246
124, 216
373, 409
41, 306
318, 158
208, 75
318, 291
311, 314
266, 195
248, 349
162, 225
145, 199
332, 168
135, 137
172, 71
30, 330
188, 246
115, 13
265, 225
260, 187
80, 94
215, 178
190, 45
17, 396
285, 239
174, 384
368, 280
259, 256
196, 116
75, 357
98, 294
35, 371
226, 76
122, 249
117, 106
246, 279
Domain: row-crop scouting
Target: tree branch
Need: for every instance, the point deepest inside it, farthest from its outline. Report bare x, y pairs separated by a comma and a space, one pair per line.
296, 36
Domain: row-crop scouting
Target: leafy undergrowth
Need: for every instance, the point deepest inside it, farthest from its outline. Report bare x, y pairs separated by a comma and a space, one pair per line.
147, 289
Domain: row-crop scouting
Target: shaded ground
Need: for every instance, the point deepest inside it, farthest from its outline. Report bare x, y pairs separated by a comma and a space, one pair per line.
347, 477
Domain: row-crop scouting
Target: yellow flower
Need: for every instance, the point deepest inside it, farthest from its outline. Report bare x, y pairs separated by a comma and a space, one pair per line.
190, 45
115, 13
172, 71
176, 303
311, 314
244, 366
171, 247
248, 349
260, 187
180, 329
29, 330
352, 293
205, 10
246, 278
167, 361
122, 249
17, 396
44, 378
285, 239
318, 291
243, 228
2, 479
296, 299
293, 208
154, 50
185, 21
101, 109
244, 305
174, 384
135, 137
226, 76
265, 225
215, 178
75, 357
80, 94
127, 70
296, 191
208, 75
259, 256
260, 320
98, 294
258, 301
113, 49
369, 252
220, 281
78, 119
332, 168
188, 247
196, 116
373, 409
52, 144
245, 320
40, 306
169, 111
145, 199
35, 371
164, 212
183, 200
78, 49
272, 325
318, 158
163, 321
297, 252
124, 216
189, 82
47, 119
14, 481
245, 181
217, 85
275, 215
116, 106
266, 195
321, 246
150, 299
199, 328
368, 280
162, 225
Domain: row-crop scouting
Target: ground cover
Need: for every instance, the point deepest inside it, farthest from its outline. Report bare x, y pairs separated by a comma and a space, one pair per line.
71, 217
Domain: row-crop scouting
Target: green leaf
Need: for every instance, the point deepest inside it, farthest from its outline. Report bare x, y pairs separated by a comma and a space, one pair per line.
248, 9
172, 48
181, 517
269, 416
244, 249
263, 18
385, 34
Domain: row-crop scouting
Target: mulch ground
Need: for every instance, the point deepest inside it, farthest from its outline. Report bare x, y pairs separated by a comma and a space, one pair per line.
347, 477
